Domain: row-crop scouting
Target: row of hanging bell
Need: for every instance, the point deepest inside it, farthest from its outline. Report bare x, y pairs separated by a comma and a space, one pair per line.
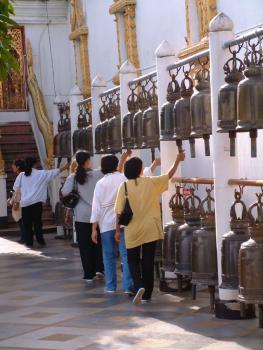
108, 131
241, 98
187, 113
82, 137
251, 261
62, 141
141, 129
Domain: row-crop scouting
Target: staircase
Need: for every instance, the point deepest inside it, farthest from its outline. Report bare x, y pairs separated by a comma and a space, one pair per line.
17, 142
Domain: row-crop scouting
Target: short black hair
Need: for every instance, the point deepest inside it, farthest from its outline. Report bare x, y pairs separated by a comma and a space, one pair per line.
133, 168
109, 164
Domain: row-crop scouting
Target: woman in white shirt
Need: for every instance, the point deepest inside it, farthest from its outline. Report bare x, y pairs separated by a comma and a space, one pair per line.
33, 185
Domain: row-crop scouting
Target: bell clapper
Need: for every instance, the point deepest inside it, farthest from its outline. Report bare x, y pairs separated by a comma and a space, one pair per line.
207, 146
192, 147
232, 137
253, 136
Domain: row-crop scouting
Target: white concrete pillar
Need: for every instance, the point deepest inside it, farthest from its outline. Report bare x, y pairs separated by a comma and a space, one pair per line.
98, 86
224, 166
74, 98
165, 56
3, 201
127, 73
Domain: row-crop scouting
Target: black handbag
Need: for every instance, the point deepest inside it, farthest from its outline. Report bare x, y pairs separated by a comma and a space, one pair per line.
71, 200
127, 214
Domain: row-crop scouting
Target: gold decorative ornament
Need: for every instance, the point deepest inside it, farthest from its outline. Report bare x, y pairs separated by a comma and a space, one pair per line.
41, 113
206, 10
13, 90
79, 33
126, 8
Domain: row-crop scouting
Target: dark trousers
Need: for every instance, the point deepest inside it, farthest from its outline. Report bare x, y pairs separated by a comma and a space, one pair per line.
22, 231
141, 265
90, 253
32, 218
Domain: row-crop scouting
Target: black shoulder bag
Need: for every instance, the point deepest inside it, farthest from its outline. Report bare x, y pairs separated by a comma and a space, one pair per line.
127, 213
71, 200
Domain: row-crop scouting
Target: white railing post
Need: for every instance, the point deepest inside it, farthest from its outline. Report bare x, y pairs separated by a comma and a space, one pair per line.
221, 30
127, 74
98, 86
164, 57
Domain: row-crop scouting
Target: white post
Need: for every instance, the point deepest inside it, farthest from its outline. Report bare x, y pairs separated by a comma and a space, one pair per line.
74, 99
168, 151
98, 86
127, 73
56, 183
221, 30
3, 201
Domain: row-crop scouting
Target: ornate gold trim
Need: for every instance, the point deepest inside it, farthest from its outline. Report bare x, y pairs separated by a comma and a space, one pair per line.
206, 10
120, 5
79, 32
41, 113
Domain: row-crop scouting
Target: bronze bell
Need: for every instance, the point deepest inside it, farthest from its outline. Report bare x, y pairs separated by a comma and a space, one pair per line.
150, 122
76, 140
177, 211
200, 108
184, 235
170, 231
98, 138
227, 99
86, 139
104, 137
231, 243
137, 119
182, 116
114, 129
167, 110
127, 122
204, 254
56, 146
251, 261
250, 98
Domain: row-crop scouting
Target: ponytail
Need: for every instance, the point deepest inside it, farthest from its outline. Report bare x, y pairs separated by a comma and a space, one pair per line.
29, 163
81, 172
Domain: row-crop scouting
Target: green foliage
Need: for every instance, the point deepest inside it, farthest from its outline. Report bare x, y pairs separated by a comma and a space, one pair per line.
7, 60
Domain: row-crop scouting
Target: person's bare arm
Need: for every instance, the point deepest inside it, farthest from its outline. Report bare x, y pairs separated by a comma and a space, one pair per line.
123, 159
118, 229
155, 164
180, 157
94, 235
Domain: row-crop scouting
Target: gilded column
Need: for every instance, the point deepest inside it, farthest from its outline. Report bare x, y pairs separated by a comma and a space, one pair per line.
131, 35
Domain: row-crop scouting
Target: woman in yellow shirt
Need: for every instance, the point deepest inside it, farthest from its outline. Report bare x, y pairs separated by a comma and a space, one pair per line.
145, 227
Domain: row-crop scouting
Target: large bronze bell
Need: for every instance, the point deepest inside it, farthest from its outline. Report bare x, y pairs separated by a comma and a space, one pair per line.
114, 129
98, 138
204, 255
182, 116
137, 119
104, 140
167, 110
250, 98
184, 236
200, 108
227, 99
127, 122
251, 262
231, 243
150, 122
170, 230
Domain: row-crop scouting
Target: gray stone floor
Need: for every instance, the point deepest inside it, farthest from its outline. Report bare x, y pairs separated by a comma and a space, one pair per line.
44, 304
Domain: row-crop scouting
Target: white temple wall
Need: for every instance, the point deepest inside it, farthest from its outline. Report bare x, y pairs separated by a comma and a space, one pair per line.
245, 14
103, 50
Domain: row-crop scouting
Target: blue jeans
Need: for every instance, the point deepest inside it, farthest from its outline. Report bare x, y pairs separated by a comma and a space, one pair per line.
110, 261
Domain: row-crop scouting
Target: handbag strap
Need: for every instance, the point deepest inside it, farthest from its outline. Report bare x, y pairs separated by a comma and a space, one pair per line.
126, 190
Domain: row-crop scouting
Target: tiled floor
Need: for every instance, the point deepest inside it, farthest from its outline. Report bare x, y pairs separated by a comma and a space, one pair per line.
45, 305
